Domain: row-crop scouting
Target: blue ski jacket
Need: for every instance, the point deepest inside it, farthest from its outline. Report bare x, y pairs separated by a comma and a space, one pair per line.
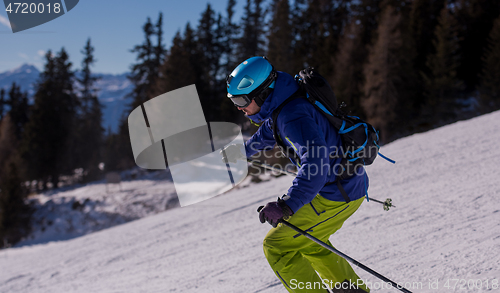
313, 139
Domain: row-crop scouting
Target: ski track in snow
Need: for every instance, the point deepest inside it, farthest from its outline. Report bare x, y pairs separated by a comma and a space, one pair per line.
445, 225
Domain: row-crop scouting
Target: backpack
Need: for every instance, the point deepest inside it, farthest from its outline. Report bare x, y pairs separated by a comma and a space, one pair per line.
359, 138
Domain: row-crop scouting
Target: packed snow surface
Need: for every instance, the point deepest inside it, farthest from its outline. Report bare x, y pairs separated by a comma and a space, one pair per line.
445, 228
73, 211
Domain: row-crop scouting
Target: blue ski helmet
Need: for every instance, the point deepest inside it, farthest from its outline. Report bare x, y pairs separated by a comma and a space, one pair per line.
253, 79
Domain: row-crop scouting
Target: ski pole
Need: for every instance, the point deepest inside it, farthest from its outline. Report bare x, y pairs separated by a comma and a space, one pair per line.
355, 262
387, 203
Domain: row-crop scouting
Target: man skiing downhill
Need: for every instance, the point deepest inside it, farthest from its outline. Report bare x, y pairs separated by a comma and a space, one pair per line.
311, 204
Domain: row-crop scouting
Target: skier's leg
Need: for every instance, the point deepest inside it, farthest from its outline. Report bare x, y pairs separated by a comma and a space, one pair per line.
320, 218
334, 268
329, 265
296, 273
282, 249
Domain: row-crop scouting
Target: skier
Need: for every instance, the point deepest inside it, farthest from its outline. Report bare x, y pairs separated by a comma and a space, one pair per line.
311, 204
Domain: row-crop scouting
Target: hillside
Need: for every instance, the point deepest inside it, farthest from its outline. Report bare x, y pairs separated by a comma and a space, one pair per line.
445, 226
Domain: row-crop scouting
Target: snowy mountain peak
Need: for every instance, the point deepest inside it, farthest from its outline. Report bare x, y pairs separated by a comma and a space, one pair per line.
25, 68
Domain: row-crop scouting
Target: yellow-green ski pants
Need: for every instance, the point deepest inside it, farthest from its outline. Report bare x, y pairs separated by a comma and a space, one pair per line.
295, 259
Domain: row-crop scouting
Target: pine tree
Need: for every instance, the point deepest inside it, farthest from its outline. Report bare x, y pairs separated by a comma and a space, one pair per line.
160, 50
230, 33
475, 19
320, 24
251, 42
117, 151
219, 86
490, 86
37, 149
90, 131
311, 46
258, 17
2, 103
353, 52
337, 17
208, 43
9, 144
348, 79
143, 72
423, 21
368, 13
48, 140
18, 103
145, 76
12, 127
298, 23
179, 69
14, 213
280, 37
442, 85
87, 80
209, 53
160, 53
69, 103
389, 75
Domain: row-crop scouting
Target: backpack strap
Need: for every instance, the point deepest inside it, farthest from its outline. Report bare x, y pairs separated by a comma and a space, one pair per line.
346, 173
341, 189
284, 148
290, 153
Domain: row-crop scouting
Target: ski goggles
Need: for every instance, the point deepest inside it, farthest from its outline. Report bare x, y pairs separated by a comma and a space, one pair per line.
241, 101
244, 100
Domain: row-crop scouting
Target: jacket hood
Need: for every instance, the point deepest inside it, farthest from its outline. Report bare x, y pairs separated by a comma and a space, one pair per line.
285, 86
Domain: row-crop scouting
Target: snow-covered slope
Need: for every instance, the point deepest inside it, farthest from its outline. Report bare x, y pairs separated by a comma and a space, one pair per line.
73, 211
446, 226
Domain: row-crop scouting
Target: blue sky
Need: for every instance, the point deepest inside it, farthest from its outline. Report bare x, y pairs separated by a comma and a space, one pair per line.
114, 26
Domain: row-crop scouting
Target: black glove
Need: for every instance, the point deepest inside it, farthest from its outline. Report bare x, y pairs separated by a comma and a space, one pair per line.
232, 153
274, 212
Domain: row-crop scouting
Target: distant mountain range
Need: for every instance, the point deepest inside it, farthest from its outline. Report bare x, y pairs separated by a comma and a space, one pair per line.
112, 91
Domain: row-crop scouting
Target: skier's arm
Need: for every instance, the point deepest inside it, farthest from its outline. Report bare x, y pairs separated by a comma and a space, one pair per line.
263, 139
313, 174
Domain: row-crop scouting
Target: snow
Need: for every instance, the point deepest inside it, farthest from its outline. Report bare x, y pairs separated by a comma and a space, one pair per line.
70, 212
445, 226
